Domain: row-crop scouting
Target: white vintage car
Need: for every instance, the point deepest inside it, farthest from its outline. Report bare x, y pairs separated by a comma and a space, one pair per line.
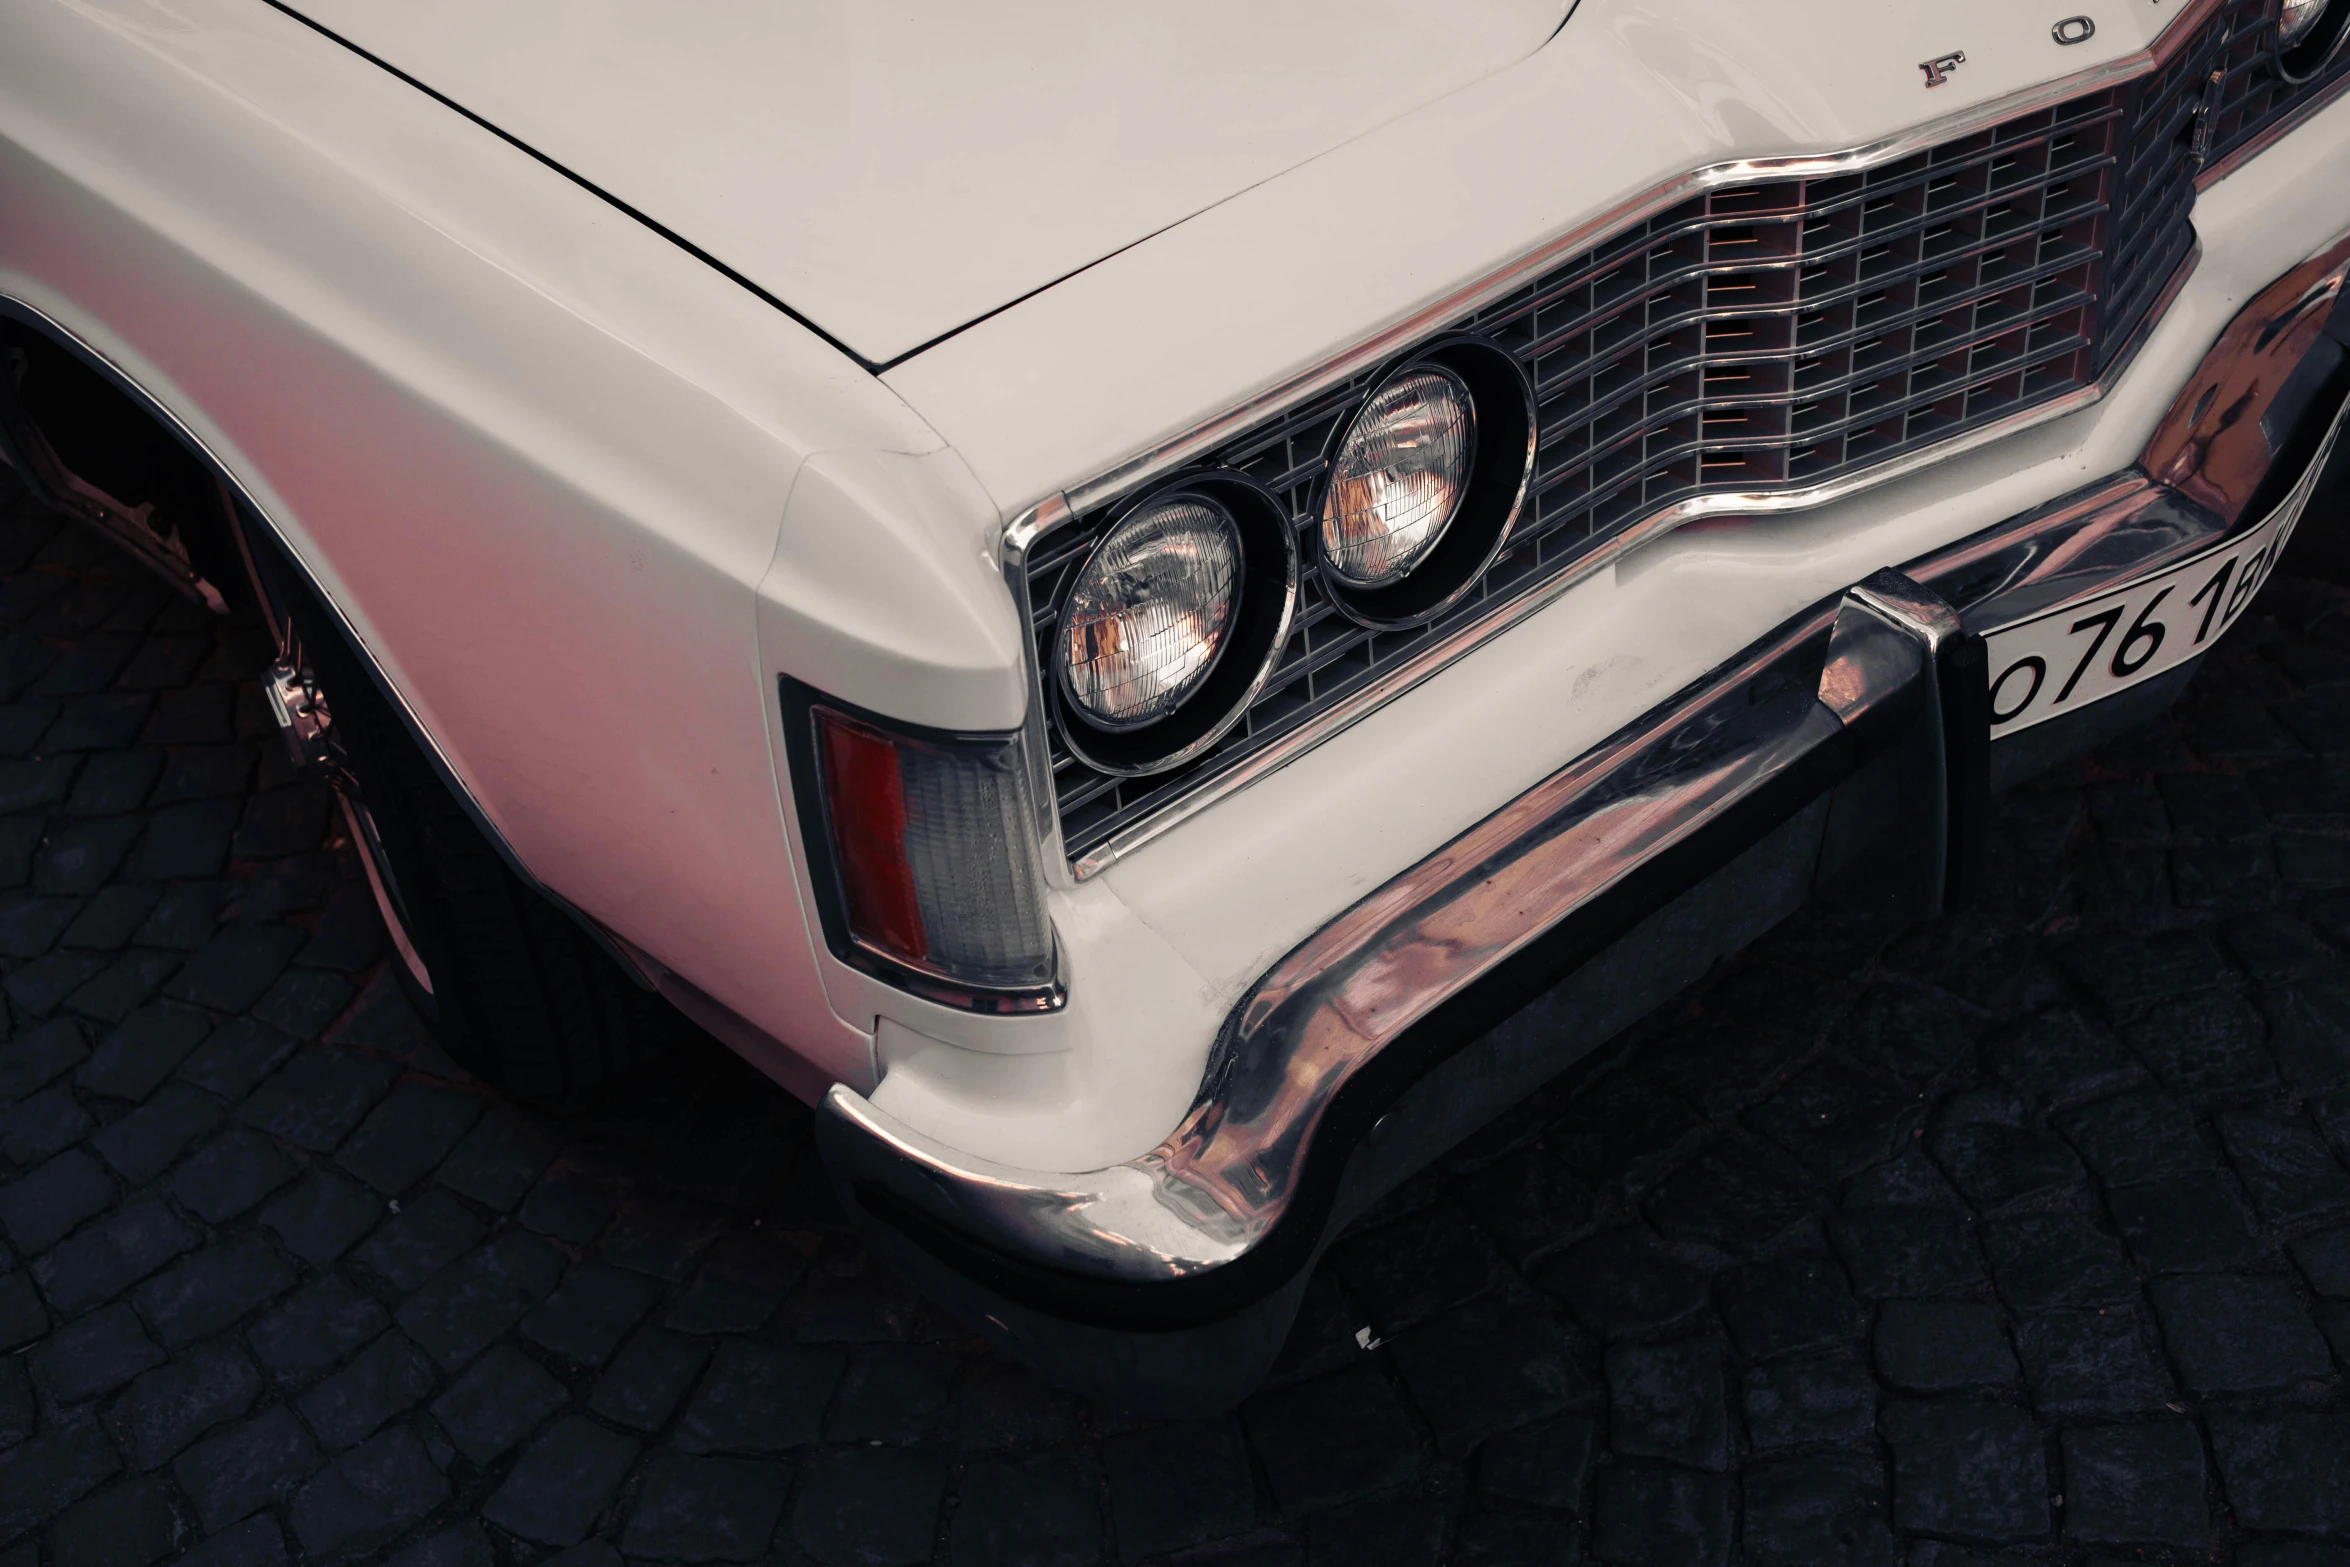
1165, 608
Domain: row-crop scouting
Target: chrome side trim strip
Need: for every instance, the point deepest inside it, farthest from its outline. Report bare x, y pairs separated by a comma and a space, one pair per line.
1057, 510
1035, 736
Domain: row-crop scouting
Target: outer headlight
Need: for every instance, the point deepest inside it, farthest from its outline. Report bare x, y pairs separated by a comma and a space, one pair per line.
1172, 622
1151, 613
2296, 18
1399, 477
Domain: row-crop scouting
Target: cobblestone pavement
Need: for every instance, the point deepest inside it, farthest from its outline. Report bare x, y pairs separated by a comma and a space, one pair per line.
2026, 1229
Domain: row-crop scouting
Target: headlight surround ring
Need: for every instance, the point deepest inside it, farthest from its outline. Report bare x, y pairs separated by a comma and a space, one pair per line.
1500, 469
2306, 53
1253, 633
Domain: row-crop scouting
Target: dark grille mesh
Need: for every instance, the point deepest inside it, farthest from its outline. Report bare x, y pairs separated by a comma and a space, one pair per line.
1766, 337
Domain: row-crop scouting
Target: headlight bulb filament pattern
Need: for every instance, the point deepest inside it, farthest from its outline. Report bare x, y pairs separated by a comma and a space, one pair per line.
2297, 17
1399, 478
1149, 615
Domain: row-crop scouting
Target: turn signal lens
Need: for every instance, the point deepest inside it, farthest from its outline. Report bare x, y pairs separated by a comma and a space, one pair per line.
2298, 17
937, 868
1399, 477
1149, 614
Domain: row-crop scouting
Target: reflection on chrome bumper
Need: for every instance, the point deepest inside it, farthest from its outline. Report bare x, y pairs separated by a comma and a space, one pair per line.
1873, 702
1726, 762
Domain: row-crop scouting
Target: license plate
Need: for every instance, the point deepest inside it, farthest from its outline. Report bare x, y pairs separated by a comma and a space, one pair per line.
2081, 652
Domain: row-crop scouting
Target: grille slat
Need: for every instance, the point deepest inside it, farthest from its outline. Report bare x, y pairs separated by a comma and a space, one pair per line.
1764, 337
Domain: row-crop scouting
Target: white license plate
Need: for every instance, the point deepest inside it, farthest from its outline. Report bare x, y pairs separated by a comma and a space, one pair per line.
2080, 652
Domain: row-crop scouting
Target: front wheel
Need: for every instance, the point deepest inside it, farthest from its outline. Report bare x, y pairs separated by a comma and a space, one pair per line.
518, 993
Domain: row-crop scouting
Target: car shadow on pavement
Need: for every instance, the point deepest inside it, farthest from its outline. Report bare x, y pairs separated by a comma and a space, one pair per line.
2024, 1231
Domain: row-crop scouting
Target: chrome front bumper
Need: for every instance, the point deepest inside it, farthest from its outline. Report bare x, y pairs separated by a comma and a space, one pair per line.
1848, 752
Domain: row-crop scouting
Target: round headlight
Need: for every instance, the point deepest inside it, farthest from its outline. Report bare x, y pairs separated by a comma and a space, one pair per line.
1150, 613
1399, 477
2296, 18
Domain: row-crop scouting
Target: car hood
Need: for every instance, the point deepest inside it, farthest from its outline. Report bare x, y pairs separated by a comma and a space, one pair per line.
891, 172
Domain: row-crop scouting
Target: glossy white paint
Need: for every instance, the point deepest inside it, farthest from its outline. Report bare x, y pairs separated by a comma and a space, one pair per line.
884, 589
892, 172
585, 498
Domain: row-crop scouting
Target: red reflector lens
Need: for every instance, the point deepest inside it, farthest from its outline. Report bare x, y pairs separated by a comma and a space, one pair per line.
866, 800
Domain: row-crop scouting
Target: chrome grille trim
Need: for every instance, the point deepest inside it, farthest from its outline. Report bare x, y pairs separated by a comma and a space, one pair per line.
1463, 639
2094, 300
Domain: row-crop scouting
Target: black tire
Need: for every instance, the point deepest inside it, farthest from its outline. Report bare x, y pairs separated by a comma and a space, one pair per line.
518, 993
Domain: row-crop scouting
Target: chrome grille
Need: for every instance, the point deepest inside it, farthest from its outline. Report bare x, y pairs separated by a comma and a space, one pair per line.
1759, 339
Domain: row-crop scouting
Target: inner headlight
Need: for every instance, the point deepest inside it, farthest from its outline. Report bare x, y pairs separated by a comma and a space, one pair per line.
1399, 477
2297, 17
1151, 612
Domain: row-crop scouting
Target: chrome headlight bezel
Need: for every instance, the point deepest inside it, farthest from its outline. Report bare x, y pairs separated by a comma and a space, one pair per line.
1254, 636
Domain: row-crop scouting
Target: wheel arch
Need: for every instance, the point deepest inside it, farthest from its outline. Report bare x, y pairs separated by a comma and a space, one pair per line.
246, 538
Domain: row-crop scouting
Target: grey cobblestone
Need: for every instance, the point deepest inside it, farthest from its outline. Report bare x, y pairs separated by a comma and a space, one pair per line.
43, 1475
1177, 1486
41, 1126
562, 1482
111, 1255
2237, 1334
2136, 1485
214, 1288
42, 1208
892, 1393
94, 1355
169, 1407
1801, 1402
498, 1400
2023, 1236
708, 1509
238, 1471
424, 1237
369, 1496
